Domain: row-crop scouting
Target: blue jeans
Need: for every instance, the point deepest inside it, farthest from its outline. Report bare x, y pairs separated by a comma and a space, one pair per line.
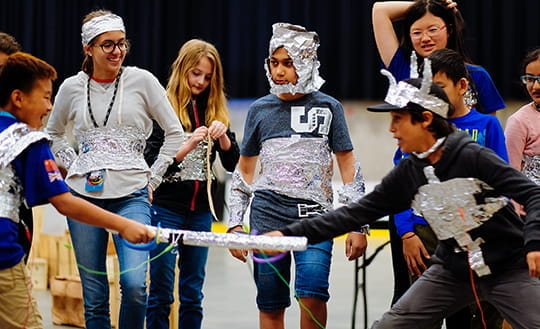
191, 263
90, 244
312, 272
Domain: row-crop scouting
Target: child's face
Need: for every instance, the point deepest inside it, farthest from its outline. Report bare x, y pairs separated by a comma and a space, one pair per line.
282, 68
428, 34
533, 68
107, 65
454, 91
200, 76
34, 106
411, 137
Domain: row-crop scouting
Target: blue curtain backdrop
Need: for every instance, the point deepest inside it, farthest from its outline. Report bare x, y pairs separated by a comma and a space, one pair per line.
498, 34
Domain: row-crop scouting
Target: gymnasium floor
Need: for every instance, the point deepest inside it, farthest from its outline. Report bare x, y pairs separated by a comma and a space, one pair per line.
230, 292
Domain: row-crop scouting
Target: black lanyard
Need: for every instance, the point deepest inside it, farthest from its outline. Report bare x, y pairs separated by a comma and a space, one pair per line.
117, 80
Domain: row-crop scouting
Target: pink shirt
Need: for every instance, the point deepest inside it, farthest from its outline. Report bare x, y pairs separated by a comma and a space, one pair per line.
523, 134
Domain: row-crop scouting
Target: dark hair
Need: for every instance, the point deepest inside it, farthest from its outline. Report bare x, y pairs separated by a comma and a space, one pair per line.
452, 19
449, 62
531, 56
8, 44
20, 72
440, 127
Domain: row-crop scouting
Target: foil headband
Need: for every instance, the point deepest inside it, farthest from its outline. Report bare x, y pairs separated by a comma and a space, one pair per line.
101, 24
302, 48
400, 94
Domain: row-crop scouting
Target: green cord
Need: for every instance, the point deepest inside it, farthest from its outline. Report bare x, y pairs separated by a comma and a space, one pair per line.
86, 269
295, 295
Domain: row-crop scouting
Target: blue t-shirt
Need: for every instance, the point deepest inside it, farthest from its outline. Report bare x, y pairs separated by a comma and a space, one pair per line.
489, 98
40, 179
484, 129
271, 117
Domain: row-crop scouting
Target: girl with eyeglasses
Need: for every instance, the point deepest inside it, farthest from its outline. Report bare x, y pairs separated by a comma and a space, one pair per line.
522, 129
111, 109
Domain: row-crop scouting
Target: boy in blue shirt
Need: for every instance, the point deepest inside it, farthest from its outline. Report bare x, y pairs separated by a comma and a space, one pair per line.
28, 173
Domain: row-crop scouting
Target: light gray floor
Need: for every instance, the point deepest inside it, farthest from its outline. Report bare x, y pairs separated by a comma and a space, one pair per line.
230, 293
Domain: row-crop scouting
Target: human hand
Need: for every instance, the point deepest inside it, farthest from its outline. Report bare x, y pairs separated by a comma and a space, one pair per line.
198, 135
238, 253
451, 5
414, 252
533, 260
136, 232
355, 245
519, 208
217, 129
150, 193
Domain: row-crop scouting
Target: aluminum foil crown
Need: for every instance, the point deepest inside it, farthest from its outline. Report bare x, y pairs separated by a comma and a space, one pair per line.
400, 94
101, 24
302, 48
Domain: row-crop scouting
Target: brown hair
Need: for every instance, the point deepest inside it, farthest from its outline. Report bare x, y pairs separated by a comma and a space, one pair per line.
8, 44
20, 72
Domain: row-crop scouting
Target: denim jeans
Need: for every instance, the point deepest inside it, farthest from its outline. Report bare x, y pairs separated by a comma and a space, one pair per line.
90, 244
191, 263
311, 280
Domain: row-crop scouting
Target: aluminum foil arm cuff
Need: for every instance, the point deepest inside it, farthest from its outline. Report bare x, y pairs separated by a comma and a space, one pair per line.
158, 170
355, 190
239, 199
66, 156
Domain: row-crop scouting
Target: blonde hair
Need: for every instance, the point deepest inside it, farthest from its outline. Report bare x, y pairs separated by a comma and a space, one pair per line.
178, 89
87, 64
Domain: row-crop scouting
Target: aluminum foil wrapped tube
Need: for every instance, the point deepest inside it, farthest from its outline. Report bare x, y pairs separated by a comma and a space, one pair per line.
229, 240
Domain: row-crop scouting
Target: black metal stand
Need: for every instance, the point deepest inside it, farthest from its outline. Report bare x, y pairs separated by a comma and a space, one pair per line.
362, 285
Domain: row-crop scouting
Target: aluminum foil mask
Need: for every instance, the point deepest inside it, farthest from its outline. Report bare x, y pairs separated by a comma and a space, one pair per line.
302, 48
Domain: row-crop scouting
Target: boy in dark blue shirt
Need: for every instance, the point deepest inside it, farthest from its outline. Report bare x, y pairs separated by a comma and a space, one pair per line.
28, 173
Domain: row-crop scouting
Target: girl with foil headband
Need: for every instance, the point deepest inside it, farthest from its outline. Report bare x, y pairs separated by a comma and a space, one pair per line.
111, 108
293, 132
486, 251
428, 25
183, 200
522, 128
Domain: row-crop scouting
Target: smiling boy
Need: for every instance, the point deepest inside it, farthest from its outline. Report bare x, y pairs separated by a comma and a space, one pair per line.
28, 173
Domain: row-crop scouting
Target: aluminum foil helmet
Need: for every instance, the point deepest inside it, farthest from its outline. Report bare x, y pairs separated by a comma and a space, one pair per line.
302, 48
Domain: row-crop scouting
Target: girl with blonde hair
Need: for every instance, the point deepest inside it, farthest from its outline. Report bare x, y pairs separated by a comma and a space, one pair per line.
183, 200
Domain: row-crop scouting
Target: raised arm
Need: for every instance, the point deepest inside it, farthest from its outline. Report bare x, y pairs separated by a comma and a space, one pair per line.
383, 14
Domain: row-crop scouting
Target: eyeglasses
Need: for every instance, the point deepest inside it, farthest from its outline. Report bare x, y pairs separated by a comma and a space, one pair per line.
431, 32
529, 80
109, 46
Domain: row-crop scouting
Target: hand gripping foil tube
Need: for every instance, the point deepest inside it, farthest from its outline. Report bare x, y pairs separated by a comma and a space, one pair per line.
224, 240
238, 199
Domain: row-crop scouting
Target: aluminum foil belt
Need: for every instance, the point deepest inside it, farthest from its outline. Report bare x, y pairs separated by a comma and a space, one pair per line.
229, 240
302, 48
13, 141
531, 167
117, 148
451, 209
297, 167
193, 167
